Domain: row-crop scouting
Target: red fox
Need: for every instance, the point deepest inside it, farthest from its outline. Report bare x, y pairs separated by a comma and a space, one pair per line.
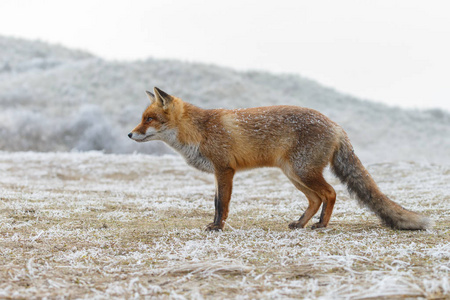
299, 141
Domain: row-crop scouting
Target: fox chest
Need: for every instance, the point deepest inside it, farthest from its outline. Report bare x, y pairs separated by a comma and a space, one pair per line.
195, 158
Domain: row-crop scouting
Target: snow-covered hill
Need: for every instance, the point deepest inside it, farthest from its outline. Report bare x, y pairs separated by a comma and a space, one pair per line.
57, 99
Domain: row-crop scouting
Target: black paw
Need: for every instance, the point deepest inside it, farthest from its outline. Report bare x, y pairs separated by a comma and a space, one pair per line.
296, 225
213, 227
318, 225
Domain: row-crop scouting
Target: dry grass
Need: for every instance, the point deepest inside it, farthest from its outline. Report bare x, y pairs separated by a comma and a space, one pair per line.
110, 226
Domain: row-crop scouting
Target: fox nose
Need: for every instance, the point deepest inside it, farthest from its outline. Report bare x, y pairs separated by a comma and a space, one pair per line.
130, 135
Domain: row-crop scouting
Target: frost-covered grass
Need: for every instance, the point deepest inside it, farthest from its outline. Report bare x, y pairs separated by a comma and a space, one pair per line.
91, 225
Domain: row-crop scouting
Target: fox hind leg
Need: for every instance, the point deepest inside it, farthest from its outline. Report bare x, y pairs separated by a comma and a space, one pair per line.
318, 192
326, 193
313, 206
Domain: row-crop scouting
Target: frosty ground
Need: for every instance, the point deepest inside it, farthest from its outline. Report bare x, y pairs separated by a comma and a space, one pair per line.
91, 225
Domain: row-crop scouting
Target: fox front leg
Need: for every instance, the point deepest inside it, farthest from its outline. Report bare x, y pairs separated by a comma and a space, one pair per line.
224, 186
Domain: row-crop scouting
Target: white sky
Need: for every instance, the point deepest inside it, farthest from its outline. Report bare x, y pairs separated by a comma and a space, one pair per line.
397, 52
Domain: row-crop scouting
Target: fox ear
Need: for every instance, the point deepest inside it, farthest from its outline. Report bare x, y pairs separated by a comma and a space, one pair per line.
163, 98
151, 96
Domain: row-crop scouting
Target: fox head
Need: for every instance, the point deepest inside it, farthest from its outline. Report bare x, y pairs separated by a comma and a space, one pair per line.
158, 120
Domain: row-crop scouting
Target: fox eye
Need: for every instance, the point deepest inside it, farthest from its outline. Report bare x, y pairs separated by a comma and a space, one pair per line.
149, 119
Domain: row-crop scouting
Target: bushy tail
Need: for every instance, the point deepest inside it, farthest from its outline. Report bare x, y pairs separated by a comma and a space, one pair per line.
349, 169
